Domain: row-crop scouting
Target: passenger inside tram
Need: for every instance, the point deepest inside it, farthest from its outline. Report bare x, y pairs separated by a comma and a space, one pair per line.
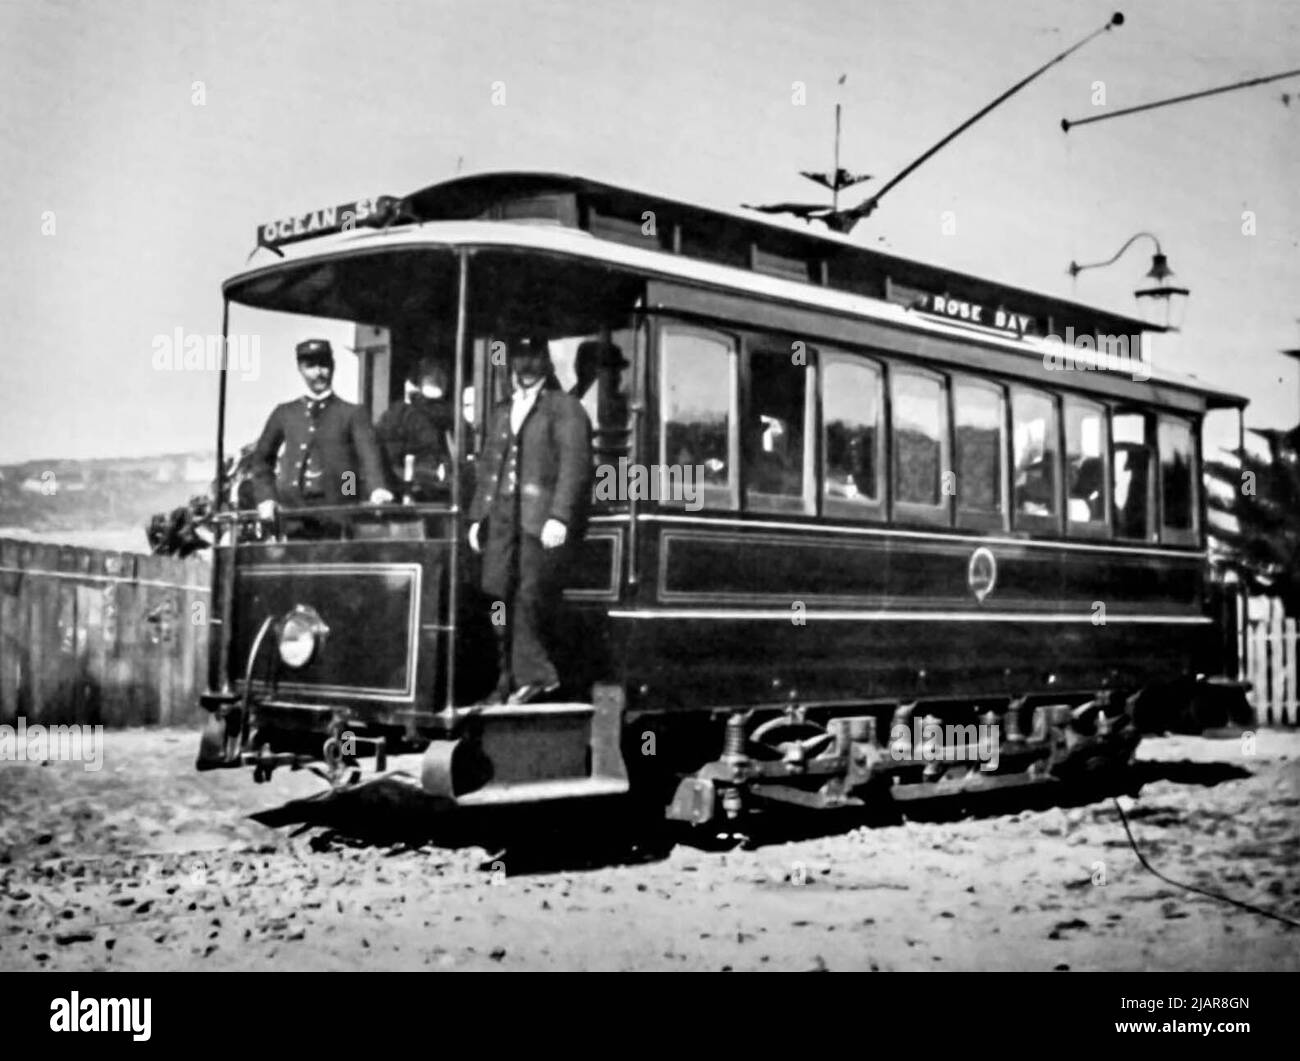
772, 443
417, 434
1132, 468
1087, 486
598, 368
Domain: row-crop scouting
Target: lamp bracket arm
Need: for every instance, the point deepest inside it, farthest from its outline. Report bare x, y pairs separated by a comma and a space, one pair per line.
1076, 268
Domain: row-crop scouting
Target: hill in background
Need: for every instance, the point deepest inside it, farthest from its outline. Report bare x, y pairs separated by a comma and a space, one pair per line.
103, 503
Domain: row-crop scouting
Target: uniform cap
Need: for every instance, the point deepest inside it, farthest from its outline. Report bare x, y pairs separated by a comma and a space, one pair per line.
315, 350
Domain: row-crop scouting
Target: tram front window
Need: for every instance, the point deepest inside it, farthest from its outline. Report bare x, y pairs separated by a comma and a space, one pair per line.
392, 320
383, 315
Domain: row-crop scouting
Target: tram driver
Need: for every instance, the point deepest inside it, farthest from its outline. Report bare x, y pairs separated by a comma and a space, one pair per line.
326, 449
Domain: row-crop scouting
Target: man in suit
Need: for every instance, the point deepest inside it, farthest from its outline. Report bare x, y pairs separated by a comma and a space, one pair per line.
534, 481
326, 447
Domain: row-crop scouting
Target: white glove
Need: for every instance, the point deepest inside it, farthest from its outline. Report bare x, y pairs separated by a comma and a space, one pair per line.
266, 510
553, 534
473, 537
381, 496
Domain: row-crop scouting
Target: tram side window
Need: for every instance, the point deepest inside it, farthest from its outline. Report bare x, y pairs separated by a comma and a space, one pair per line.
1033, 422
1085, 463
852, 403
697, 396
775, 435
919, 427
977, 458
1132, 464
1177, 481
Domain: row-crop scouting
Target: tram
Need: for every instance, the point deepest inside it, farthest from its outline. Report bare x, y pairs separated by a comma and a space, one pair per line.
840, 499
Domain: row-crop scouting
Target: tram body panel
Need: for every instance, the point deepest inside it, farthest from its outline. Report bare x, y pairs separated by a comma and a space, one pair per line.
736, 617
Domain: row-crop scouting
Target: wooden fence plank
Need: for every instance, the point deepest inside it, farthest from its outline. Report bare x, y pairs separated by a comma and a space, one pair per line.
77, 643
1289, 648
115, 692
12, 631
1275, 668
1272, 657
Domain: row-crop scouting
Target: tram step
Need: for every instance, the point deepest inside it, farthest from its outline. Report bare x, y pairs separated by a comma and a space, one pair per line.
531, 752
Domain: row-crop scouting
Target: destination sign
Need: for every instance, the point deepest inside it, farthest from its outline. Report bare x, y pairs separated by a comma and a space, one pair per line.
341, 218
963, 311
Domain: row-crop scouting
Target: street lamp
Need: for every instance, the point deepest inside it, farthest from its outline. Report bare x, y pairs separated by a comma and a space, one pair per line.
1161, 304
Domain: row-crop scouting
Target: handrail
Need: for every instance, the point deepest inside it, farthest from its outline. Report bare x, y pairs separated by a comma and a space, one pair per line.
366, 509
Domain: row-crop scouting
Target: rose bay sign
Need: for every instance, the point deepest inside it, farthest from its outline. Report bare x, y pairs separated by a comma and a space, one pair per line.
963, 311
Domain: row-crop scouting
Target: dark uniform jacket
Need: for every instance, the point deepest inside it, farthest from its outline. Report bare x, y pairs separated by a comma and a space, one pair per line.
318, 451
554, 462
421, 428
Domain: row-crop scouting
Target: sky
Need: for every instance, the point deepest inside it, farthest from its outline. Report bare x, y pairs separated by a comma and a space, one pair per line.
142, 142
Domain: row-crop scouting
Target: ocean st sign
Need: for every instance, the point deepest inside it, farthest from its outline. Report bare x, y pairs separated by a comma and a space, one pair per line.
371, 212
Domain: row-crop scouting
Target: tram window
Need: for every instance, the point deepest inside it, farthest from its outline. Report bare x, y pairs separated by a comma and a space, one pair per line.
1085, 464
919, 427
1131, 461
775, 434
977, 456
697, 398
852, 401
1177, 481
1033, 421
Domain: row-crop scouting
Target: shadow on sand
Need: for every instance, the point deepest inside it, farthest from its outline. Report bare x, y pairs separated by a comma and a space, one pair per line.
392, 812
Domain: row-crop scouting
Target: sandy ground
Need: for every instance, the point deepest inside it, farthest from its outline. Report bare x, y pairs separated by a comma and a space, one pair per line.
149, 865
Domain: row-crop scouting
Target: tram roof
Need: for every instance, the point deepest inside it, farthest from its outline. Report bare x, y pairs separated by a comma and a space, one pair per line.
726, 235
536, 208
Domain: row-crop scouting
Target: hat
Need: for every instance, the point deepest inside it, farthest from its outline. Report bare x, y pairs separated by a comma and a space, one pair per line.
315, 350
533, 346
425, 368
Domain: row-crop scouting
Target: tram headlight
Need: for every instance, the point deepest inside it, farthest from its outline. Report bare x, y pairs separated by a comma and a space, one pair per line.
302, 632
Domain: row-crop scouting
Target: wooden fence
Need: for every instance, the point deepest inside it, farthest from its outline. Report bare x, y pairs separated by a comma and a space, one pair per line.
95, 637
1267, 649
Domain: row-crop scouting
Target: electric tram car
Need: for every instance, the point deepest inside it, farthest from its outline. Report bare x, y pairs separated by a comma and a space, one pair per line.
838, 497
